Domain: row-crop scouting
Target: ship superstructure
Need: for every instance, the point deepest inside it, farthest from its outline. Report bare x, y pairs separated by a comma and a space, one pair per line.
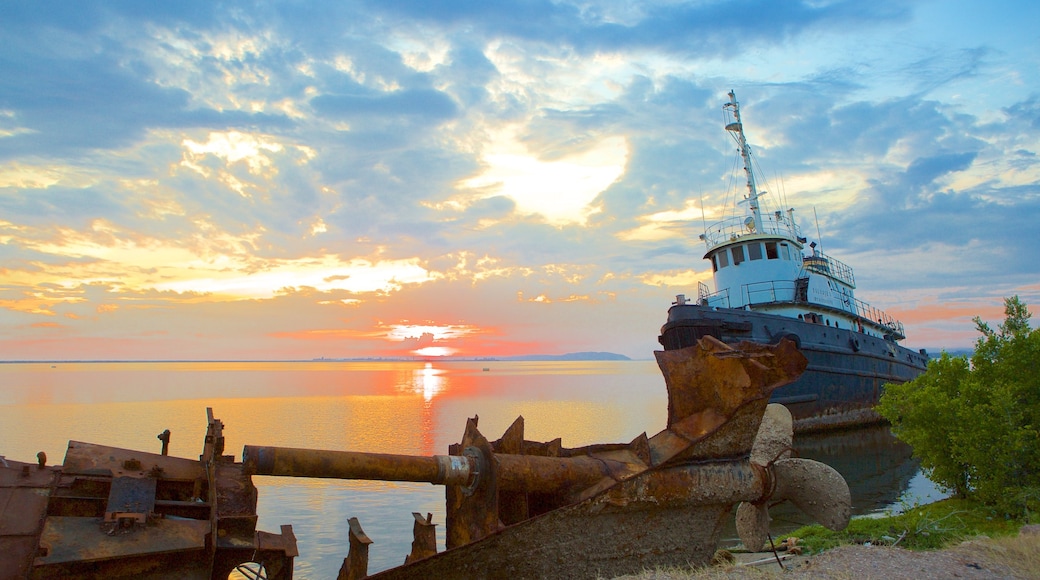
771, 284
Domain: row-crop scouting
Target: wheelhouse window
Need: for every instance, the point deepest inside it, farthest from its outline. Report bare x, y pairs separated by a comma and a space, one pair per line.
723, 259
785, 251
754, 251
738, 254
771, 253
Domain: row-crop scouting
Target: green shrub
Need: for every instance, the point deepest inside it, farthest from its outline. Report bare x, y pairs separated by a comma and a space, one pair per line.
976, 425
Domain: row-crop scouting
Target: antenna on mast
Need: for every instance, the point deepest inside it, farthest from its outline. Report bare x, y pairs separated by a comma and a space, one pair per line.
704, 222
818, 235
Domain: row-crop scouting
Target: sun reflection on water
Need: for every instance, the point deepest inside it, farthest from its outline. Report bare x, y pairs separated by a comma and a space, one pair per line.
428, 381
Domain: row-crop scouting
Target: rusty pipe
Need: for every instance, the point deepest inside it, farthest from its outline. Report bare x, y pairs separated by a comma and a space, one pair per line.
289, 462
528, 473
536, 474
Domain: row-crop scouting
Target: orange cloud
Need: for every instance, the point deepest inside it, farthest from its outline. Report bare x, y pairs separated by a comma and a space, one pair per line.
926, 313
45, 325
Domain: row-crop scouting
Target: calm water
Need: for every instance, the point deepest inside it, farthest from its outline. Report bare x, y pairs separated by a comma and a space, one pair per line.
387, 407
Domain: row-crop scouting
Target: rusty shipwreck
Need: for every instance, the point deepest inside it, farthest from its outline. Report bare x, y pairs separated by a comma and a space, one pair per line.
514, 508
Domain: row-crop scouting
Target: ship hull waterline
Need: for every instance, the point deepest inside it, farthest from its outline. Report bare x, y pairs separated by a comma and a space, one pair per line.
847, 370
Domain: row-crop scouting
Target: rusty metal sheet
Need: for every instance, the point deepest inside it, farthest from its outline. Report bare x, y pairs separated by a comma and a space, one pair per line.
22, 509
130, 498
568, 543
235, 493
276, 552
24, 491
732, 439
90, 459
67, 539
283, 542
16, 556
662, 517
712, 385
20, 474
514, 506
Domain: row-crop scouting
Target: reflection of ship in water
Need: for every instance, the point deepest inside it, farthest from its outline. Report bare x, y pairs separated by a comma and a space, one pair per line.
877, 466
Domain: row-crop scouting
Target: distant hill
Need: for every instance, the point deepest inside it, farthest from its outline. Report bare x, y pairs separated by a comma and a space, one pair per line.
568, 356
571, 356
936, 352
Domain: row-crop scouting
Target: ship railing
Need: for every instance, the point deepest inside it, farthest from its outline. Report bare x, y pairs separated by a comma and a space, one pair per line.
717, 299
769, 292
702, 291
879, 317
784, 292
823, 264
734, 228
876, 317
773, 292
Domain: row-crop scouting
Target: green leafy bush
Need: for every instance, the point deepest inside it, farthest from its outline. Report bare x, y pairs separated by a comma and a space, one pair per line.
975, 425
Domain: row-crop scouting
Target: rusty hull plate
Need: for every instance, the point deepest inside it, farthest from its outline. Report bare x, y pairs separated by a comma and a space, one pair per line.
91, 459
68, 539
24, 491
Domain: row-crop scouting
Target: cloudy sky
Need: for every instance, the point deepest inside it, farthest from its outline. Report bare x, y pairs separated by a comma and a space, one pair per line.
286, 180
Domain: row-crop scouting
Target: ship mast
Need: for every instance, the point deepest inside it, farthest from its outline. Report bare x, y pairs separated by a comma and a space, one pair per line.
737, 128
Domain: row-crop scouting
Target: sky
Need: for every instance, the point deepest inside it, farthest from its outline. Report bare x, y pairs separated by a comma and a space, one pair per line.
293, 180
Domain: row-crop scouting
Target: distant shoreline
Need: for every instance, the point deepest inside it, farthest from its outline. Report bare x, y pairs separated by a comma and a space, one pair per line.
574, 356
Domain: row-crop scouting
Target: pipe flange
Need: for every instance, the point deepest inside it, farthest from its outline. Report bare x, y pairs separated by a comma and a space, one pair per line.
479, 467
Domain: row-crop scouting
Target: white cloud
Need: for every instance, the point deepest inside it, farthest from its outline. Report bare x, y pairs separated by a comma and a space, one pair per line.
561, 190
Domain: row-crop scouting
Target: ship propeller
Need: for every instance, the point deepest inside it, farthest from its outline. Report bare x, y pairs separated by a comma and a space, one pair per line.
813, 487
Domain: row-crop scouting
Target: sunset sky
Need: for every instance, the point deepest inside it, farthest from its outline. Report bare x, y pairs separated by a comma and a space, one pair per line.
293, 180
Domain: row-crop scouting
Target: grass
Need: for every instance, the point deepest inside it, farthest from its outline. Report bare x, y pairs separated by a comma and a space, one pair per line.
1020, 554
927, 527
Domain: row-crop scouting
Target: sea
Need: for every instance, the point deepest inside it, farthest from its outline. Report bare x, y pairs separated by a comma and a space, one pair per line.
400, 407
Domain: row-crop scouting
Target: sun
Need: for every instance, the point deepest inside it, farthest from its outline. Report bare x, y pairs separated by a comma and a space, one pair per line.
435, 351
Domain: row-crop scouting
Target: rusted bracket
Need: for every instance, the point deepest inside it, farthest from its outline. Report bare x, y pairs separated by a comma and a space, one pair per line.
276, 552
355, 565
424, 534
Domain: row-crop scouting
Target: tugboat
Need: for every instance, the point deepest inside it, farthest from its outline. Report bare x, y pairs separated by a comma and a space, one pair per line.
770, 286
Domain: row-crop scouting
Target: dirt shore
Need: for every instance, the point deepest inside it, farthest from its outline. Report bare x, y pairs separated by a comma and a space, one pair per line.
982, 558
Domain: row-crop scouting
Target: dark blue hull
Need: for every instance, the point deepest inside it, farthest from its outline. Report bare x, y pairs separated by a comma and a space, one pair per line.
847, 369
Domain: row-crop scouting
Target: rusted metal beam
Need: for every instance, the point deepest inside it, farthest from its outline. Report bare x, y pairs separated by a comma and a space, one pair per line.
213, 445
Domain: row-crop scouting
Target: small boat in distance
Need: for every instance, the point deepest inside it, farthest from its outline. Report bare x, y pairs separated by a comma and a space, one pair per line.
767, 289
